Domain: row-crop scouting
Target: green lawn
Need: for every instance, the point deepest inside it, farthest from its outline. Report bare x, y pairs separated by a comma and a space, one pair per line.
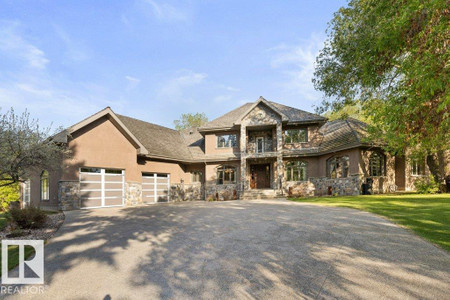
13, 256
426, 215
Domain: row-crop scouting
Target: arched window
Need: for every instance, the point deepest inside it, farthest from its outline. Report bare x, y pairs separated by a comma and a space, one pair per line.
338, 167
44, 186
226, 175
376, 164
296, 170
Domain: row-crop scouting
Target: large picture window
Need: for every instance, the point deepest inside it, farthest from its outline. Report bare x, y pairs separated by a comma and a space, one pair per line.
338, 167
376, 164
296, 136
226, 175
296, 170
44, 186
226, 141
417, 167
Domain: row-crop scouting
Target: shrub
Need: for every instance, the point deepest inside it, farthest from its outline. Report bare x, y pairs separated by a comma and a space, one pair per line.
27, 218
426, 185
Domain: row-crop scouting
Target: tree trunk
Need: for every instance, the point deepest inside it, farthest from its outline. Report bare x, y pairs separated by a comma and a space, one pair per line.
435, 163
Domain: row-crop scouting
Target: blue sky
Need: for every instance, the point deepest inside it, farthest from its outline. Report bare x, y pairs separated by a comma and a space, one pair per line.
154, 59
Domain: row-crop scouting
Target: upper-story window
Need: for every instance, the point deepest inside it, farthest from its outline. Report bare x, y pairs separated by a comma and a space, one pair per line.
417, 167
196, 176
338, 167
376, 164
296, 170
226, 141
296, 136
226, 175
44, 186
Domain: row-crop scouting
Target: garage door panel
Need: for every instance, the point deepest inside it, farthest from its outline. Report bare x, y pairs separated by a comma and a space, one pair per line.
161, 193
113, 193
113, 201
113, 178
90, 202
90, 185
90, 177
155, 185
89, 194
162, 181
114, 186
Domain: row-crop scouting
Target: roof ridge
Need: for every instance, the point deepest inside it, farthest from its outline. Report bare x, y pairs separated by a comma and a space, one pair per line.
353, 131
147, 122
273, 102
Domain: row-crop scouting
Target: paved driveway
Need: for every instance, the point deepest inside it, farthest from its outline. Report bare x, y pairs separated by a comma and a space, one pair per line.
240, 249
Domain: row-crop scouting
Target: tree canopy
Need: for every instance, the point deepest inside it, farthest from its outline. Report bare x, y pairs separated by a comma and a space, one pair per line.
393, 57
190, 120
25, 147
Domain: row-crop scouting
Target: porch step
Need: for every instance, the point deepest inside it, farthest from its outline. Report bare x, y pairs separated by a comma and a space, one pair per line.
261, 194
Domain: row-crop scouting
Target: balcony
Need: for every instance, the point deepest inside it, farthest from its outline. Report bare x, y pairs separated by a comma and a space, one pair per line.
260, 147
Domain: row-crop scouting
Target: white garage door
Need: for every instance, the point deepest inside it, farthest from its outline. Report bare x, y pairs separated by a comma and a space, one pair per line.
101, 187
155, 187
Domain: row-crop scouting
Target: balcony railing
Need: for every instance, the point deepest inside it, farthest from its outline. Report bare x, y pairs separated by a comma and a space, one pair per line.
261, 147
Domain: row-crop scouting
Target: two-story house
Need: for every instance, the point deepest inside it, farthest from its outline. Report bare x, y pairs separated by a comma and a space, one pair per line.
260, 149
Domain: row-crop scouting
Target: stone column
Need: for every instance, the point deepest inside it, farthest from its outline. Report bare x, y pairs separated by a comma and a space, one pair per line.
280, 166
243, 148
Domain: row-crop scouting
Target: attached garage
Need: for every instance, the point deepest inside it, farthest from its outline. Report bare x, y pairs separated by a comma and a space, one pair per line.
101, 187
155, 187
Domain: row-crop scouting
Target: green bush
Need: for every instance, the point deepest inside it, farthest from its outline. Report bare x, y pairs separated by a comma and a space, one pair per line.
426, 185
8, 194
27, 218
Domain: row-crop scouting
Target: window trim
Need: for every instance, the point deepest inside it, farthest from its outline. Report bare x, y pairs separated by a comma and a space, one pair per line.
299, 165
229, 135
221, 169
261, 138
418, 164
382, 159
338, 160
45, 177
296, 129
193, 176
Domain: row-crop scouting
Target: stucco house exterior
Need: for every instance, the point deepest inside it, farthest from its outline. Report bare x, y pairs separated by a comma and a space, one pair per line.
260, 149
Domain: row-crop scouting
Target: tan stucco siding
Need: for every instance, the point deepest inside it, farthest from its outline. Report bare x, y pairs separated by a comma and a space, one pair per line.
211, 143
177, 171
101, 144
211, 171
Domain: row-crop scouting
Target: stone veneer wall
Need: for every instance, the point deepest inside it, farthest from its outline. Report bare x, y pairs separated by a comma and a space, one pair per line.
133, 193
186, 192
222, 191
69, 195
319, 186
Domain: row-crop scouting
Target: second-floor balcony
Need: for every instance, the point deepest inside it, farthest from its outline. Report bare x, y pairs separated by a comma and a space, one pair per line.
261, 146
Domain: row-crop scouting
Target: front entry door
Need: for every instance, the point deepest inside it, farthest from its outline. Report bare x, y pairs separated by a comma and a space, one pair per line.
260, 176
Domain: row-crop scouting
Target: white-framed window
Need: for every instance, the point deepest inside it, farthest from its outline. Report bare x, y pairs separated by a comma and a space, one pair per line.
292, 136
26, 192
377, 164
338, 167
196, 176
296, 170
227, 141
45, 186
417, 167
226, 175
260, 145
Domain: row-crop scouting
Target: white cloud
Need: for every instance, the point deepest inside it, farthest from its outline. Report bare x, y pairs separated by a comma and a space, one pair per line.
132, 82
296, 63
174, 89
12, 44
167, 12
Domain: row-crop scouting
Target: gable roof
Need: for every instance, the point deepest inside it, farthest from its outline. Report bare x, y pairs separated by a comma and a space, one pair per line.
161, 142
107, 112
287, 113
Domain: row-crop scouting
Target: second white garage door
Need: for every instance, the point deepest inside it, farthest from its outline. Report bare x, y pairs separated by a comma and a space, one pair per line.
155, 187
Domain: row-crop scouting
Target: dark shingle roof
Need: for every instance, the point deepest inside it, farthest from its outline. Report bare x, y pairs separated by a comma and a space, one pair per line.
294, 115
160, 141
194, 142
342, 134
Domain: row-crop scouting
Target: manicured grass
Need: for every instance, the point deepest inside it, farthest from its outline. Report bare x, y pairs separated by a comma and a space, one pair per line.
13, 256
426, 215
